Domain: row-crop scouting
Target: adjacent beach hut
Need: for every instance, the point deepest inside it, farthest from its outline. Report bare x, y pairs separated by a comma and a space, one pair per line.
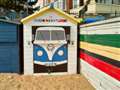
9, 47
50, 42
99, 53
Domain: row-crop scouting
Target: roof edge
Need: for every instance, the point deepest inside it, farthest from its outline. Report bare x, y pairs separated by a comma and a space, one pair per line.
25, 20
9, 21
37, 12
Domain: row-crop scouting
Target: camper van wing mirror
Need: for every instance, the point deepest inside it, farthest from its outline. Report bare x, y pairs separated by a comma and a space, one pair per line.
32, 41
70, 42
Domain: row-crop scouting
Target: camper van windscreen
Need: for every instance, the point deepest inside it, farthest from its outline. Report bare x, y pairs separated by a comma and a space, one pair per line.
43, 35
57, 35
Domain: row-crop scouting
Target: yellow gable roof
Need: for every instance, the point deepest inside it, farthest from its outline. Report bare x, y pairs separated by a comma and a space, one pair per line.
47, 10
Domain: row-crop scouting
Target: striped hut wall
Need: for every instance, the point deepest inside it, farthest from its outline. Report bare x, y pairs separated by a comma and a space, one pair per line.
99, 79
106, 51
100, 49
100, 64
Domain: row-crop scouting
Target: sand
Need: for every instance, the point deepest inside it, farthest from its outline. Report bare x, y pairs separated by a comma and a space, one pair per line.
37, 82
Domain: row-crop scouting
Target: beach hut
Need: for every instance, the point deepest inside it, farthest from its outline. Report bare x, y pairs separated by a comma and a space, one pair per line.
50, 42
9, 47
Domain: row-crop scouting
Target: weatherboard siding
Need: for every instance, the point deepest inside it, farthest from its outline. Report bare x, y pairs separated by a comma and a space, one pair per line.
101, 65
72, 52
28, 50
100, 53
112, 40
99, 79
9, 47
110, 52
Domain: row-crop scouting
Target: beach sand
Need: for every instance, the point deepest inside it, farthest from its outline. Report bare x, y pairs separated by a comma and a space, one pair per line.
47, 82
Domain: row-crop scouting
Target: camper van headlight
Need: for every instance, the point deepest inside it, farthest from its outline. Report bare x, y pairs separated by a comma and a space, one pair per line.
60, 52
40, 53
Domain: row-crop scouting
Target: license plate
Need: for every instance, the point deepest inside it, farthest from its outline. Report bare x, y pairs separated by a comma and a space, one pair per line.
50, 64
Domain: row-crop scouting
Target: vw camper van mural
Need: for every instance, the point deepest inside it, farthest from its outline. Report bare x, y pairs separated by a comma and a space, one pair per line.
50, 49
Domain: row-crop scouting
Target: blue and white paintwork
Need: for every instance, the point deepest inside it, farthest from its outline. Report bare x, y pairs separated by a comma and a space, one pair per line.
52, 52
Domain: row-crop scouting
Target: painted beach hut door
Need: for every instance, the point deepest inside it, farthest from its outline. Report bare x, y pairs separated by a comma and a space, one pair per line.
50, 51
47, 37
